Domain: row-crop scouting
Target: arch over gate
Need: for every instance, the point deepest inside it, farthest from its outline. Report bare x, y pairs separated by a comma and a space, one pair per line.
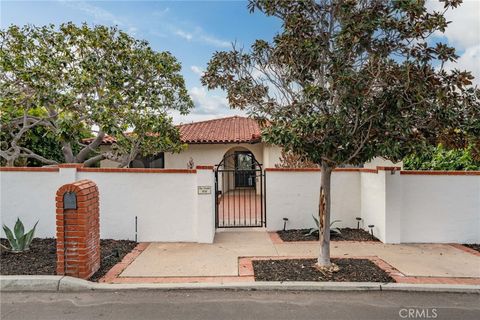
240, 191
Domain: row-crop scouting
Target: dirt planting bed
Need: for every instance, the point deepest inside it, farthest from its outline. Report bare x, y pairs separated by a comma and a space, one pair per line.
350, 270
40, 259
474, 246
348, 234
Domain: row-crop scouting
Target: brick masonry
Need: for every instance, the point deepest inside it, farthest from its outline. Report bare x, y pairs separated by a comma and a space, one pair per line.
78, 231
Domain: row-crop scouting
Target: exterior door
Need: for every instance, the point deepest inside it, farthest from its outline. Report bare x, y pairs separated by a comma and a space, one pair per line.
239, 192
244, 170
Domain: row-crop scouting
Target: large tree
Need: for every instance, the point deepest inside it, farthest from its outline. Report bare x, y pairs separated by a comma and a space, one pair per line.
347, 80
72, 77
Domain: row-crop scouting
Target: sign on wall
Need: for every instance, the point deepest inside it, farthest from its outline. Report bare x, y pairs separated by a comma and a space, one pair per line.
204, 189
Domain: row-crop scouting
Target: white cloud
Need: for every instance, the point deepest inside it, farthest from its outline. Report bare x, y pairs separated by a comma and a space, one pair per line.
463, 33
206, 103
199, 35
100, 14
197, 70
192, 117
464, 29
215, 42
183, 34
161, 13
470, 61
94, 11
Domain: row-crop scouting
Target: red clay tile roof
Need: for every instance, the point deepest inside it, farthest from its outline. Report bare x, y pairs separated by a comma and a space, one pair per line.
225, 130
106, 140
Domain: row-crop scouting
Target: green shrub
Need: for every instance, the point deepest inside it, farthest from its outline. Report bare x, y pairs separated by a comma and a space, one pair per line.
19, 240
439, 158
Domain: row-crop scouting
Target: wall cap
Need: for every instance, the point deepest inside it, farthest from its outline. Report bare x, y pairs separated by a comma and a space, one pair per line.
70, 165
137, 170
294, 169
33, 169
335, 170
440, 173
204, 167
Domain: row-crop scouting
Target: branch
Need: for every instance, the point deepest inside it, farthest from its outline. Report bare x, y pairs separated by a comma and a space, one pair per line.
93, 160
30, 154
83, 154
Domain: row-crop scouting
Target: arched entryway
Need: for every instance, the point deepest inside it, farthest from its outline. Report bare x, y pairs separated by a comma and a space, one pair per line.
239, 189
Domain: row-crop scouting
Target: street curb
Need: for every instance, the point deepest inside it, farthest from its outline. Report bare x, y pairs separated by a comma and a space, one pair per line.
66, 284
30, 283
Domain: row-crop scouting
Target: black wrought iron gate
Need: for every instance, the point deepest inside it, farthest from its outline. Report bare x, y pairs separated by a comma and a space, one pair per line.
240, 192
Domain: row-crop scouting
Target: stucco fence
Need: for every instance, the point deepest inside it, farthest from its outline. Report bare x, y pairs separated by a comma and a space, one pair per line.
403, 206
155, 205
178, 204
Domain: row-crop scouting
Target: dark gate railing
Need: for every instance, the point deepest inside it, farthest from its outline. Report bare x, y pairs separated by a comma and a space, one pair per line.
240, 192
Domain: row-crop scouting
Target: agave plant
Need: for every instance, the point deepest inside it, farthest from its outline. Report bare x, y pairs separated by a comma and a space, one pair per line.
317, 228
18, 239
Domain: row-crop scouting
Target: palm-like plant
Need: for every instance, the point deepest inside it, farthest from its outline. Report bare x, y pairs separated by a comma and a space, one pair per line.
317, 227
19, 240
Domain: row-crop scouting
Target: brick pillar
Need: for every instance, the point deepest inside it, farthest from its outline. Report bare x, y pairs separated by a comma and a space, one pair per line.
78, 229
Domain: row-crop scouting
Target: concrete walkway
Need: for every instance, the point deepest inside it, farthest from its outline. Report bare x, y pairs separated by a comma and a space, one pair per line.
221, 258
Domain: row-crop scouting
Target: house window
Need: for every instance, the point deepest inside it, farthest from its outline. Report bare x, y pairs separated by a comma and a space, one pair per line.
156, 161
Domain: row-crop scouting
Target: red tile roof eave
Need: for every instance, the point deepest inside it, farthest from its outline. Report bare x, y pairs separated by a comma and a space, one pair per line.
205, 142
216, 131
225, 142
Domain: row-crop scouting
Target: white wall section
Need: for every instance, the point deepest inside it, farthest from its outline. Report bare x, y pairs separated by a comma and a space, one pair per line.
166, 204
428, 207
404, 206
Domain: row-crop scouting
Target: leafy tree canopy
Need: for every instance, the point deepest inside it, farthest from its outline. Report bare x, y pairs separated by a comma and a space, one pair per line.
347, 80
40, 140
440, 158
79, 77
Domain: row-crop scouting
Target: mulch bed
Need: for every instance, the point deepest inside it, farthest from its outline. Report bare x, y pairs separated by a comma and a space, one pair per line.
41, 258
351, 270
348, 234
474, 246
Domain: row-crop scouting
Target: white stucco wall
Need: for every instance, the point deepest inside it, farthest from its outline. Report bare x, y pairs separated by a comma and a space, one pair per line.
212, 154
161, 213
403, 207
208, 154
373, 202
381, 162
271, 155
167, 205
205, 213
295, 195
440, 208
30, 196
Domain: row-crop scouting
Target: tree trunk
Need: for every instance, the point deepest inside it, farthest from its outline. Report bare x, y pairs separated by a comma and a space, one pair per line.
67, 152
324, 216
10, 162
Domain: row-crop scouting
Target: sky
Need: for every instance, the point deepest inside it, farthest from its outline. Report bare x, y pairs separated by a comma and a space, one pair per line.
193, 30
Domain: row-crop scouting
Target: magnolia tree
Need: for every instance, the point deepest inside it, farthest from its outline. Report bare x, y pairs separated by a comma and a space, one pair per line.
345, 81
73, 78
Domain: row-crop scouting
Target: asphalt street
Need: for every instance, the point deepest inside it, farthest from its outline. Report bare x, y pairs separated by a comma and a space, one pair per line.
245, 305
